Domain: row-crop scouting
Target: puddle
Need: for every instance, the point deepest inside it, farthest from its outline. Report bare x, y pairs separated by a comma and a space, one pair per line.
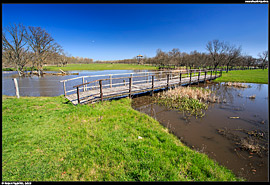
234, 133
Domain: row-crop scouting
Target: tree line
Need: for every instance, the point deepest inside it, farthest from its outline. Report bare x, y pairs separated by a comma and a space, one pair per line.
219, 54
33, 47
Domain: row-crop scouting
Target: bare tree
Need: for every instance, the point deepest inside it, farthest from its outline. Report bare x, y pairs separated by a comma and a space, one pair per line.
232, 55
63, 57
263, 58
217, 50
161, 57
249, 61
42, 44
174, 56
14, 48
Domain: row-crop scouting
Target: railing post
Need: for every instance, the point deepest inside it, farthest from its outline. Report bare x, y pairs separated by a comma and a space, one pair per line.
100, 90
78, 96
205, 72
16, 87
180, 79
168, 78
216, 74
64, 86
220, 73
129, 89
199, 77
152, 85
190, 78
211, 74
83, 83
111, 81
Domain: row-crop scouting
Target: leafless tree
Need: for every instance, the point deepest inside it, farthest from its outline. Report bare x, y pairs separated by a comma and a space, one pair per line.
231, 56
174, 56
249, 61
217, 50
14, 46
263, 58
63, 57
161, 57
42, 44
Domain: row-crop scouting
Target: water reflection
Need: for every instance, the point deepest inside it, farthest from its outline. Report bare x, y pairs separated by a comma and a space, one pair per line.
205, 134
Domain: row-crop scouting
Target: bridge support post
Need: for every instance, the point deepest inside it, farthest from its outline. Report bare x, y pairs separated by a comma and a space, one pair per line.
180, 78
64, 86
152, 93
110, 81
100, 90
83, 83
205, 72
190, 74
199, 77
78, 95
168, 79
129, 89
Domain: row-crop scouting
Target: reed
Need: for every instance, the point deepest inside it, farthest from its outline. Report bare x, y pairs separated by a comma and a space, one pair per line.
192, 100
236, 84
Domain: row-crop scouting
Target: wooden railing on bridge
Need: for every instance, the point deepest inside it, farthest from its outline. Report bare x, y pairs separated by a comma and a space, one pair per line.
136, 83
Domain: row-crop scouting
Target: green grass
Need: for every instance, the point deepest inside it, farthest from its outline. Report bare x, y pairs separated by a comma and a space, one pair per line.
93, 66
245, 76
49, 139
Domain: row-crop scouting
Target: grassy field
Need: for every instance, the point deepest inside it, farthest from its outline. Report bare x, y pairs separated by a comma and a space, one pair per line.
93, 66
245, 76
49, 139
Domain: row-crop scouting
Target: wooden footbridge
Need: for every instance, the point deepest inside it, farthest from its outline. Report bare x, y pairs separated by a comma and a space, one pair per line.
108, 86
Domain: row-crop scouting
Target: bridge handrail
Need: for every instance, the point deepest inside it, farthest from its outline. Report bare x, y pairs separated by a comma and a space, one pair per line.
151, 73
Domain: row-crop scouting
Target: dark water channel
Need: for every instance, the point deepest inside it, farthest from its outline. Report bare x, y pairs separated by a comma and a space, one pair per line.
227, 132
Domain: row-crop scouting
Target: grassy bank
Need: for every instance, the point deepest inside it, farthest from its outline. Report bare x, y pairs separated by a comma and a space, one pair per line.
49, 139
93, 66
245, 76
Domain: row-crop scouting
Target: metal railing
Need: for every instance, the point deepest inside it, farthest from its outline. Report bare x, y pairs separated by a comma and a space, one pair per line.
136, 78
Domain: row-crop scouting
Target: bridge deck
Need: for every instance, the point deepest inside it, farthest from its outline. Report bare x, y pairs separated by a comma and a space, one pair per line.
93, 95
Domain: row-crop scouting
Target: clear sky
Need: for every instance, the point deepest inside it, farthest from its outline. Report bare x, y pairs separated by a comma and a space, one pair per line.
120, 31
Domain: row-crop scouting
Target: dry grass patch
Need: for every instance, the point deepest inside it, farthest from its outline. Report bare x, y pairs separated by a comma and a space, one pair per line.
192, 100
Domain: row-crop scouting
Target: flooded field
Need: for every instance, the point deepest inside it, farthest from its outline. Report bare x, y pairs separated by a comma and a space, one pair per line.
234, 132
49, 85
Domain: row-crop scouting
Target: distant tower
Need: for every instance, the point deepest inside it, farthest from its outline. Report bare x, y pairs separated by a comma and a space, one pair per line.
139, 59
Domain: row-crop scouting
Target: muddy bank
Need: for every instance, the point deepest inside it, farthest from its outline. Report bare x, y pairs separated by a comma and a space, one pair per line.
234, 132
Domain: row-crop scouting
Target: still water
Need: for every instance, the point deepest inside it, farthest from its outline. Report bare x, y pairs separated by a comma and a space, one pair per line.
49, 85
216, 134
224, 129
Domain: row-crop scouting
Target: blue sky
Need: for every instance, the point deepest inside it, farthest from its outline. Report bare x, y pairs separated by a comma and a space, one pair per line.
119, 31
